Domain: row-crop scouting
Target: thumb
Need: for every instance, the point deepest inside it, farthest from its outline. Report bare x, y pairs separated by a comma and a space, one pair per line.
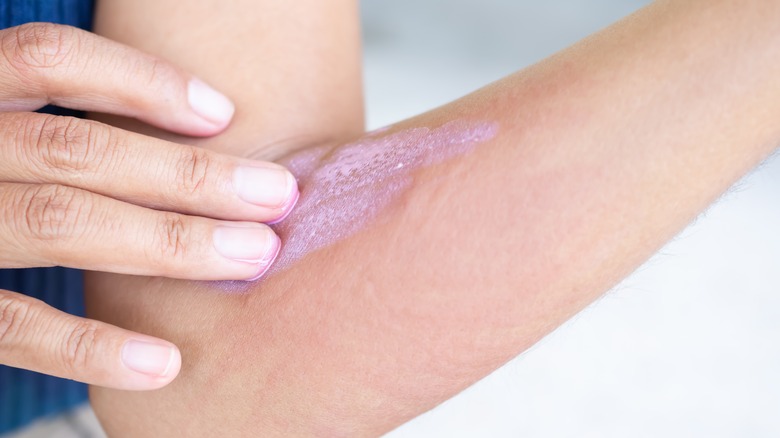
40, 338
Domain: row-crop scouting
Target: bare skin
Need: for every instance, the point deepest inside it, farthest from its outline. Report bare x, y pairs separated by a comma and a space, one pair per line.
605, 151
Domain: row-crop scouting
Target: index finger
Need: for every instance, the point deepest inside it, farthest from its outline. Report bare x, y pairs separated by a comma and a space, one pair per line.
45, 149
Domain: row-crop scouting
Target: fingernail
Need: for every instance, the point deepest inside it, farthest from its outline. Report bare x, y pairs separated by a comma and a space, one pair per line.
253, 244
268, 261
148, 358
266, 186
209, 103
287, 209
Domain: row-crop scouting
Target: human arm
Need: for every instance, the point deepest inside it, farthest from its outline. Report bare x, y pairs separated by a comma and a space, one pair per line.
602, 153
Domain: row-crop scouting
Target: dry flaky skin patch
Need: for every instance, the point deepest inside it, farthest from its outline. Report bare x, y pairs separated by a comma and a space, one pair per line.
342, 190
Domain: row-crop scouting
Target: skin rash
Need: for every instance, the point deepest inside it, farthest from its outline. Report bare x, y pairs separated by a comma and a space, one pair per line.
341, 190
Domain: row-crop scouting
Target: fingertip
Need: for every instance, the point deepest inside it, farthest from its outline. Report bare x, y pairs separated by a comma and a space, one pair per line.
248, 248
287, 208
213, 109
269, 186
149, 363
266, 264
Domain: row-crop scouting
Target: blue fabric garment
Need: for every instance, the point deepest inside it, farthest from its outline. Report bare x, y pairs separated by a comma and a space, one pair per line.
25, 395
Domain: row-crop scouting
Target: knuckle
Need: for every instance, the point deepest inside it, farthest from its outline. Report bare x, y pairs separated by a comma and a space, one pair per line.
40, 45
64, 144
155, 73
14, 314
79, 345
193, 171
173, 237
53, 212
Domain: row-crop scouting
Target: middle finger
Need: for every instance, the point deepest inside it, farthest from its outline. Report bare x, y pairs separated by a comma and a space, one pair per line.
39, 148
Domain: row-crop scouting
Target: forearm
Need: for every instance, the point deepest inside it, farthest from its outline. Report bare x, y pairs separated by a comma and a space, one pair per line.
602, 153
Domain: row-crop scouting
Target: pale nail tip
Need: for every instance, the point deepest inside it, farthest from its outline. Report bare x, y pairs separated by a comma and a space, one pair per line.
171, 357
287, 209
270, 262
211, 105
291, 193
270, 187
146, 358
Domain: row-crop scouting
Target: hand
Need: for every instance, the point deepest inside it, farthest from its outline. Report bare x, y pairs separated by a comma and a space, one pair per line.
83, 194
